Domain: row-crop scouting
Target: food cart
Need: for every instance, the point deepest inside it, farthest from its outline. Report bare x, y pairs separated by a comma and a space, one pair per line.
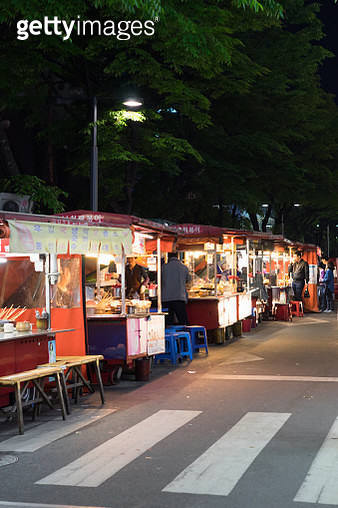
269, 260
122, 329
219, 294
33, 279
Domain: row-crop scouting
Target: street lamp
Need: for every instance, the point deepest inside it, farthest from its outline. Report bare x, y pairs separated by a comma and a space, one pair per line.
133, 103
94, 173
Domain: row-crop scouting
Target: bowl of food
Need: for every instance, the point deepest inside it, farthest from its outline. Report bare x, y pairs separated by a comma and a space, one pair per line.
23, 326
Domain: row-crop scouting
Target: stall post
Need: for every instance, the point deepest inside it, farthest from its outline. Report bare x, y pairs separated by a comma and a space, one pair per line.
123, 282
215, 269
47, 288
98, 276
284, 266
248, 264
234, 272
159, 274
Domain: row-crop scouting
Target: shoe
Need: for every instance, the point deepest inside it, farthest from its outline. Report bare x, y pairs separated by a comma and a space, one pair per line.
326, 310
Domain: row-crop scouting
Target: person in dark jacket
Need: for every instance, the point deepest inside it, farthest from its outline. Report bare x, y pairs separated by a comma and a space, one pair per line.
299, 270
321, 289
175, 277
136, 277
329, 286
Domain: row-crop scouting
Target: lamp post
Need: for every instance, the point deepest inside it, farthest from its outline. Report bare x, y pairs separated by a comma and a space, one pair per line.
94, 173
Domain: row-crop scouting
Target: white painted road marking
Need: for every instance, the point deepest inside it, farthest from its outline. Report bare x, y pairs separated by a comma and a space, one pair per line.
95, 467
48, 432
217, 471
10, 504
241, 358
239, 377
320, 484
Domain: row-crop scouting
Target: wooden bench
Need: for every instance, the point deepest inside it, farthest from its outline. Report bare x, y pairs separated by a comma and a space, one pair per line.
74, 378
36, 377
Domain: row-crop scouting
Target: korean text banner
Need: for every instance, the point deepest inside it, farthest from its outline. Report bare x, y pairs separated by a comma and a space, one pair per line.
44, 237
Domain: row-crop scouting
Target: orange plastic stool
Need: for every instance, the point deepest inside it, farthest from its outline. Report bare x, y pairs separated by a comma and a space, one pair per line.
297, 308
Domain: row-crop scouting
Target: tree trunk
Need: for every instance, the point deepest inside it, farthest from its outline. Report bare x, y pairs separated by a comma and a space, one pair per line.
50, 148
9, 163
233, 216
266, 218
254, 221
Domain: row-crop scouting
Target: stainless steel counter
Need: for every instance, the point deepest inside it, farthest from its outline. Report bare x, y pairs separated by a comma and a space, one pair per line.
5, 337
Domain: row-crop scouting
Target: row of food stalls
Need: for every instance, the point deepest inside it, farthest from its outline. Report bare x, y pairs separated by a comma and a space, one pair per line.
73, 267
237, 273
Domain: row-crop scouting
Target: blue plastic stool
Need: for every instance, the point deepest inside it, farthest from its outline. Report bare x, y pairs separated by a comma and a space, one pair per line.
185, 344
199, 338
172, 349
174, 328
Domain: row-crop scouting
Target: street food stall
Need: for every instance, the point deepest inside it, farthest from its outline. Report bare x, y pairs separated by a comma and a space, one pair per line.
269, 260
219, 294
123, 327
34, 318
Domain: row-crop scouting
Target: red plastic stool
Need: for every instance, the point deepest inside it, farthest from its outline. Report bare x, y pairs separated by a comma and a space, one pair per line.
283, 312
297, 308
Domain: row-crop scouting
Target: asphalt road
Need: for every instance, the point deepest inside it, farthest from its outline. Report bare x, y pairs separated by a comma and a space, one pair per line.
252, 425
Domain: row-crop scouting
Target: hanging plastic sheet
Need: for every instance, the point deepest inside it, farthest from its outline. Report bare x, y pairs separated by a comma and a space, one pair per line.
41, 237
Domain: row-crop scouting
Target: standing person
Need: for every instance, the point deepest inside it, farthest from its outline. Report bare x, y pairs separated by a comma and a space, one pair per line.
329, 286
175, 276
136, 278
321, 285
299, 270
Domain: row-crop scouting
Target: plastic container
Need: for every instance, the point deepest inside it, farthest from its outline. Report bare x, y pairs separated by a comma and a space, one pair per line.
237, 329
246, 325
142, 369
42, 323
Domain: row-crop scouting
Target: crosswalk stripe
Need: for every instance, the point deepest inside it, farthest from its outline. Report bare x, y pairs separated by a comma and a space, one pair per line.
95, 467
10, 504
217, 471
48, 432
258, 377
320, 484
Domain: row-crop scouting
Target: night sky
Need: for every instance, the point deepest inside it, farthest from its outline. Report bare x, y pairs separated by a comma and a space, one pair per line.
329, 71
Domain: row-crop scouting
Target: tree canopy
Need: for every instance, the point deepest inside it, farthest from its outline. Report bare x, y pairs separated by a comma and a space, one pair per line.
233, 113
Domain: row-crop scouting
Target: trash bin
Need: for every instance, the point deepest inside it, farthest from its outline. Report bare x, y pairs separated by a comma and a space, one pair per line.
237, 329
246, 325
142, 369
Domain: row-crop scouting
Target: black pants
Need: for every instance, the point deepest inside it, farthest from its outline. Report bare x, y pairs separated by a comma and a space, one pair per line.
177, 312
298, 286
322, 296
329, 299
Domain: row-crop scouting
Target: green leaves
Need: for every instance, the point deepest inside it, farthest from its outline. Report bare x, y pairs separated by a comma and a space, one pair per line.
45, 197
